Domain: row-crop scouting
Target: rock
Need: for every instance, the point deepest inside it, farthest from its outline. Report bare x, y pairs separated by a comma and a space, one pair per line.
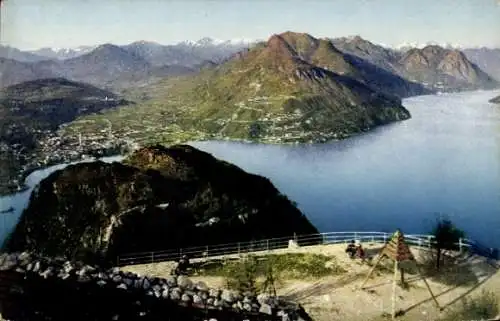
122, 286
48, 273
68, 267
247, 299
37, 266
217, 303
146, 284
3, 257
285, 317
128, 282
8, 264
263, 298
165, 294
190, 292
117, 279
203, 295
24, 259
114, 270
227, 296
237, 295
247, 307
266, 309
185, 298
175, 295
83, 278
171, 281
214, 293
184, 282
137, 283
201, 286
157, 293
101, 283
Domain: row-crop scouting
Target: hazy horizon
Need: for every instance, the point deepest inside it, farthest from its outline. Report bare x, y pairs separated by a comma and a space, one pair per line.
32, 24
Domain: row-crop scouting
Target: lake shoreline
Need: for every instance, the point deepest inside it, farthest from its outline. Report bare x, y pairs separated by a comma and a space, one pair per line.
442, 160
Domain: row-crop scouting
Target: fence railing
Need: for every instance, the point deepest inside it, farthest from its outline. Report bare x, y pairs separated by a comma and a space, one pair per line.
206, 251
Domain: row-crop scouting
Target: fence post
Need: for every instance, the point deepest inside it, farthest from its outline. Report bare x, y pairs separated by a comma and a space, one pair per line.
152, 257
429, 239
295, 237
355, 236
373, 239
460, 245
385, 238
267, 245
239, 248
206, 252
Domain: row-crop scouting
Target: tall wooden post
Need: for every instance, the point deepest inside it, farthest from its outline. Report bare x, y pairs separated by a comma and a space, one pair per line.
394, 290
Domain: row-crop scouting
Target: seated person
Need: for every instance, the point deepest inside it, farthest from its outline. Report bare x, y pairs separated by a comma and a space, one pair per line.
182, 265
351, 249
360, 252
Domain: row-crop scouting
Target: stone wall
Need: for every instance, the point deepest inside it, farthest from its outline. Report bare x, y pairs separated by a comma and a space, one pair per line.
35, 288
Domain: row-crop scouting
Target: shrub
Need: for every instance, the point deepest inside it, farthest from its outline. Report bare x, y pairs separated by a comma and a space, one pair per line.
485, 306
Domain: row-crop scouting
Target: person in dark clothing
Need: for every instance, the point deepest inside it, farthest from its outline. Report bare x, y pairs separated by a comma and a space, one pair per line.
182, 265
351, 249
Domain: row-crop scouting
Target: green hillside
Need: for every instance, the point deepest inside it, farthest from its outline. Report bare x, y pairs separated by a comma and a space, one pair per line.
270, 93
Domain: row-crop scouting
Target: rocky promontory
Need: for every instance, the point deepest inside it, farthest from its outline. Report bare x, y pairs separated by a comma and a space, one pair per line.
159, 198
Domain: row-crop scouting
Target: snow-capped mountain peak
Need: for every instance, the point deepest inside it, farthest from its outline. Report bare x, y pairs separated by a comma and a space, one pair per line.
207, 41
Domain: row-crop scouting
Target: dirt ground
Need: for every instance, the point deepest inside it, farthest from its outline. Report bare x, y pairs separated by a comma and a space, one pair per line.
339, 297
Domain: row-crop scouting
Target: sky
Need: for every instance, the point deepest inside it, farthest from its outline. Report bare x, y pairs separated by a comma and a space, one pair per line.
32, 24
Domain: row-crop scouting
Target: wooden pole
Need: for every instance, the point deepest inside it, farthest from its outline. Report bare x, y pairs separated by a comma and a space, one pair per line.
381, 255
428, 287
394, 289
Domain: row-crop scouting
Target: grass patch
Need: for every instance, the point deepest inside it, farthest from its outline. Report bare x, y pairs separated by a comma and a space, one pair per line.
485, 306
289, 265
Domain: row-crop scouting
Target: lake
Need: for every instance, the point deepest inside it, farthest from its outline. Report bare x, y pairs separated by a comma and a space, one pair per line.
446, 159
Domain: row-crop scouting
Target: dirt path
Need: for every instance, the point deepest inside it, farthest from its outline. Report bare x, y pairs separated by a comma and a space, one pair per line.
338, 297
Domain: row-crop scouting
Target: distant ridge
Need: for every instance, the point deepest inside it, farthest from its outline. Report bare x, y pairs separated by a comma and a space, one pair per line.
435, 67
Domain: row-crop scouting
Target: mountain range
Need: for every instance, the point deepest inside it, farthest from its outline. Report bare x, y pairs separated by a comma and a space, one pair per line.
292, 88
141, 63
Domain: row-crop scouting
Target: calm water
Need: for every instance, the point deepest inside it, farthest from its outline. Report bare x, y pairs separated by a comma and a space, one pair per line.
446, 159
